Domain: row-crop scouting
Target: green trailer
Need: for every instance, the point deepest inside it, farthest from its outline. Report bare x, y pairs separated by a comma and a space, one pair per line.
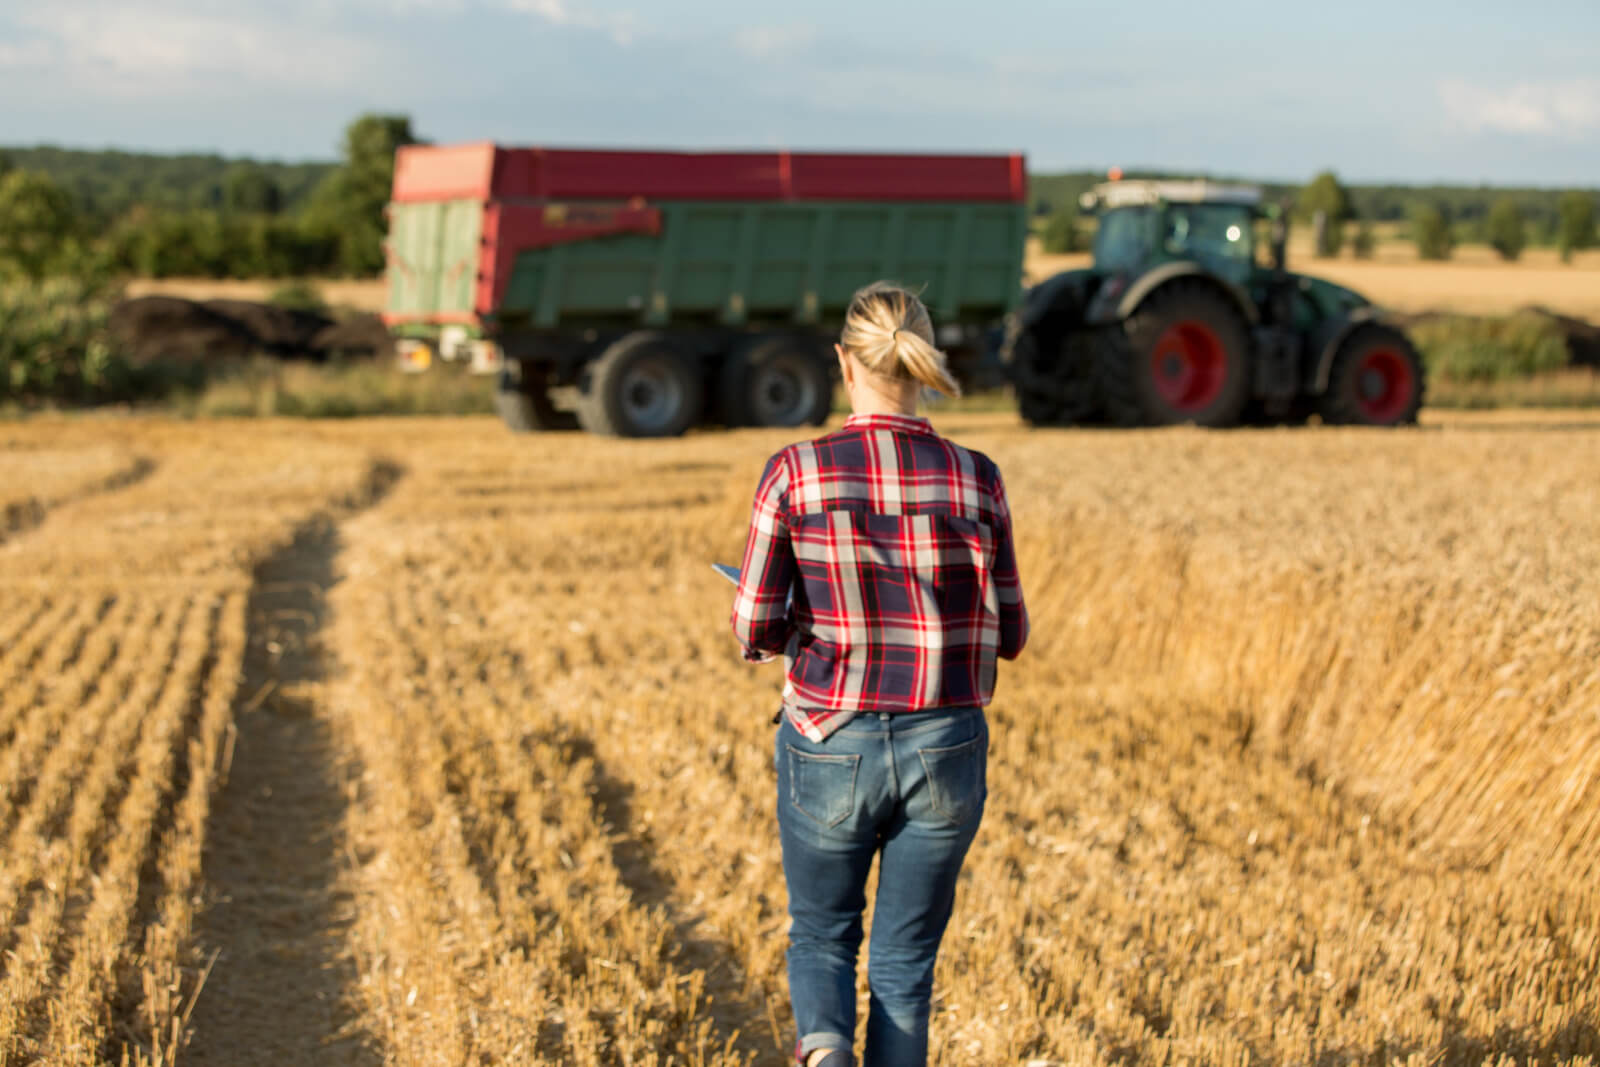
642, 293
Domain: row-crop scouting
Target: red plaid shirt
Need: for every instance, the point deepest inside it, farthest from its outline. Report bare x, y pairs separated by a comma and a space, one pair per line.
896, 546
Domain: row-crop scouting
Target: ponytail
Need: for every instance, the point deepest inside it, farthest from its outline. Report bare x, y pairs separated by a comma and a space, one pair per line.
889, 332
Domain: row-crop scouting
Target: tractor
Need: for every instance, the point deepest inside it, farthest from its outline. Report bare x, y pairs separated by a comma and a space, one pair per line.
1176, 321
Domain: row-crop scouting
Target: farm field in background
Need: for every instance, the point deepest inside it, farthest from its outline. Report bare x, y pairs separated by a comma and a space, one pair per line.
1475, 282
419, 742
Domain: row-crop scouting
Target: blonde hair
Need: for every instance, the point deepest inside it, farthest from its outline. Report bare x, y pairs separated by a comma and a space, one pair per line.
889, 333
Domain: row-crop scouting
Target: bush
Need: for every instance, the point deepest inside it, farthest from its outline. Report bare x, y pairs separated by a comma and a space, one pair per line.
54, 345
1575, 229
1463, 349
1431, 231
1507, 233
1365, 242
299, 295
1061, 234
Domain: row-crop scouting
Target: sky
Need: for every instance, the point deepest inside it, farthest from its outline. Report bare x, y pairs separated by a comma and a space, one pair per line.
1458, 91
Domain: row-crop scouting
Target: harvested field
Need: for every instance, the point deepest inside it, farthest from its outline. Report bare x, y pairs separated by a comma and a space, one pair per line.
1299, 767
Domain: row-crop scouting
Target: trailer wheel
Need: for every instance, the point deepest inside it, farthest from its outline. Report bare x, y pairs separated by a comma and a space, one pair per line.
1183, 356
1377, 379
525, 407
776, 381
642, 386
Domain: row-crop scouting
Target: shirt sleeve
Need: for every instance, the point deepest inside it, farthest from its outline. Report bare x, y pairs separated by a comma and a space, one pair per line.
1008, 584
761, 619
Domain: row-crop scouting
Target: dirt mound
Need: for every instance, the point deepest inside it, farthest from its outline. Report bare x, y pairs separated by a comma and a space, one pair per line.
151, 329
356, 335
171, 329
278, 330
1583, 338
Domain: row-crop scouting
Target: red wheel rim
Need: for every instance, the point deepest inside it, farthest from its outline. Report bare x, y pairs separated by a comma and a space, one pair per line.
1188, 365
1384, 382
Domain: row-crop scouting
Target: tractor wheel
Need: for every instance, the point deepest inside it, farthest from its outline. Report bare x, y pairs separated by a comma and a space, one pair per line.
1377, 379
525, 408
1183, 356
776, 381
642, 386
1059, 391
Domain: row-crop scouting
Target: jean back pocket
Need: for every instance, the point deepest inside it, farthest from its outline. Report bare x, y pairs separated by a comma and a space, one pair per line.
957, 781
823, 788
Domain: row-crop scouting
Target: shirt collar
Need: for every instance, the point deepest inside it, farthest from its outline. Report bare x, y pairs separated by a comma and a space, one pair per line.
904, 423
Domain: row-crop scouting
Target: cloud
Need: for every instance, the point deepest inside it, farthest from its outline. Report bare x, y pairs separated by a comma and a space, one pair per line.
1566, 109
155, 48
623, 27
765, 42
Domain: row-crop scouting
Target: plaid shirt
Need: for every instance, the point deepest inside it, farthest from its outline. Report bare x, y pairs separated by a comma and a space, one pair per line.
896, 545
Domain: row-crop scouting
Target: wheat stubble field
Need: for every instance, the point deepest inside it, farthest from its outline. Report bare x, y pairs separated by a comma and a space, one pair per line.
415, 742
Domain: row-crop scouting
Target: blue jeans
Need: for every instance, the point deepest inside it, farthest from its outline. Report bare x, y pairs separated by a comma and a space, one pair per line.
910, 787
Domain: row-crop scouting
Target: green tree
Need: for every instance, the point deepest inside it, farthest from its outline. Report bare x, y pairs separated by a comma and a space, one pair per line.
350, 201
1325, 196
1431, 232
1366, 242
1507, 232
1061, 234
1575, 230
250, 190
37, 225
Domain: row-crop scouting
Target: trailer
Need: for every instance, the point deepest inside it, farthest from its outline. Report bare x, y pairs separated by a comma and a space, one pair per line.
642, 293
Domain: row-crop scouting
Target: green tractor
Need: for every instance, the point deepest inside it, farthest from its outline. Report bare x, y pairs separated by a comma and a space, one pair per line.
1176, 321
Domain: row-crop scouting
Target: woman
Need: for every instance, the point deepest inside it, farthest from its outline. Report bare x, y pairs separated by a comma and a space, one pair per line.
880, 564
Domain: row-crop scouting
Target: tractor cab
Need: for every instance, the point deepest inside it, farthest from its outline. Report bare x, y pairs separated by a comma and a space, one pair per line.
1146, 223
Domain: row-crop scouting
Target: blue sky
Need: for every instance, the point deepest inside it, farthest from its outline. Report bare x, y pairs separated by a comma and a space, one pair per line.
1413, 90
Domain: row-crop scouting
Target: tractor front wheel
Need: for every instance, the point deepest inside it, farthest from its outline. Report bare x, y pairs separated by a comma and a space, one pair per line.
1183, 356
1377, 379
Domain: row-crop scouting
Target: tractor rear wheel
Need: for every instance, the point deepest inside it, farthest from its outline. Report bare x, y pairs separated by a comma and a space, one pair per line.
1183, 356
776, 381
642, 386
1377, 379
1058, 391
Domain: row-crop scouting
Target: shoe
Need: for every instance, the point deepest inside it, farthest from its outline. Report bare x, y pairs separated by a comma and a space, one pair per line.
837, 1058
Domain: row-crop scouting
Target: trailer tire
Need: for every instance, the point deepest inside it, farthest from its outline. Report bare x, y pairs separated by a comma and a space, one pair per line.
642, 386
526, 408
1182, 356
1377, 379
776, 381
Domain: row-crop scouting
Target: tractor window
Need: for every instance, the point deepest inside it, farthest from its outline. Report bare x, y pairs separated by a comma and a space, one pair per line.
1120, 244
1215, 232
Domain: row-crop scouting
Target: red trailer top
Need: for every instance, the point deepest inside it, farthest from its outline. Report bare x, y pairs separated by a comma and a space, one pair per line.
486, 171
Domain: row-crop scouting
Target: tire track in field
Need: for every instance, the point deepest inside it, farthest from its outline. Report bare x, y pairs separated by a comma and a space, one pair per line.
275, 914
22, 516
739, 1016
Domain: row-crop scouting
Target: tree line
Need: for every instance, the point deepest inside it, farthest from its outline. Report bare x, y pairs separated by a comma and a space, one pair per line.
1436, 217
65, 211
76, 213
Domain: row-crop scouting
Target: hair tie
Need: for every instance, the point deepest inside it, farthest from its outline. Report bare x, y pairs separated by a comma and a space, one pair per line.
894, 334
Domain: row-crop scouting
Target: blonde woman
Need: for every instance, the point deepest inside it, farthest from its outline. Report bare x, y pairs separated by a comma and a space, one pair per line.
895, 544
